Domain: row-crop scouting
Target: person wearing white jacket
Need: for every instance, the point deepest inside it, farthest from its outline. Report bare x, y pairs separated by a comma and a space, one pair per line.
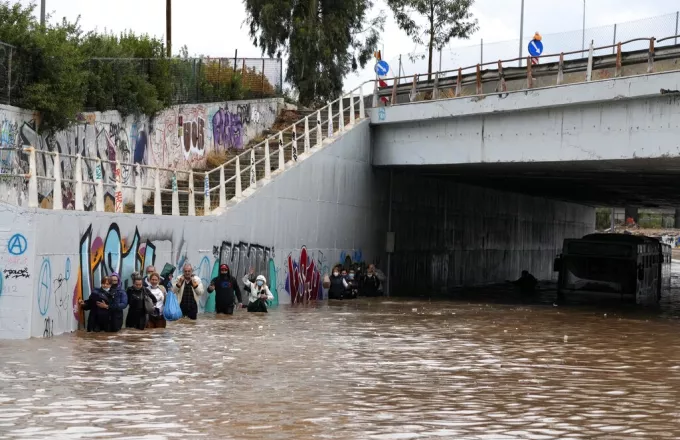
189, 291
257, 288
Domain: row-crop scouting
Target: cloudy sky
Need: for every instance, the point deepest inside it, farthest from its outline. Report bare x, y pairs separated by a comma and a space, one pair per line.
215, 27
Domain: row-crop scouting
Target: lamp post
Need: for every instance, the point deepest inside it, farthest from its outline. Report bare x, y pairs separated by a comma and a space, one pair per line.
521, 34
42, 12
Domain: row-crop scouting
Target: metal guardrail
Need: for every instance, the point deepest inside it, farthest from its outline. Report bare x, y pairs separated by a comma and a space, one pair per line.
476, 74
432, 88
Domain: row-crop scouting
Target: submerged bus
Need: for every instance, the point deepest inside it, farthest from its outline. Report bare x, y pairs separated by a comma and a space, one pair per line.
635, 267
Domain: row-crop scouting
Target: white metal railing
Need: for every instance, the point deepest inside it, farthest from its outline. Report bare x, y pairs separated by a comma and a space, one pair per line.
279, 150
293, 146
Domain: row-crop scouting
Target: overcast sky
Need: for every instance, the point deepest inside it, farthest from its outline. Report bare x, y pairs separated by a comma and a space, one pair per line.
214, 27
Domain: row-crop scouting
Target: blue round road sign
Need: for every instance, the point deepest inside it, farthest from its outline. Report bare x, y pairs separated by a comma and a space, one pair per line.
382, 68
535, 48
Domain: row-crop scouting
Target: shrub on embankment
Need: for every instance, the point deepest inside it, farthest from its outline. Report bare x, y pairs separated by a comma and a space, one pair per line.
60, 71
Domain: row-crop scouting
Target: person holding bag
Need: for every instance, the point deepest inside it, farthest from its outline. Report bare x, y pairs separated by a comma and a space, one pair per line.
157, 294
189, 291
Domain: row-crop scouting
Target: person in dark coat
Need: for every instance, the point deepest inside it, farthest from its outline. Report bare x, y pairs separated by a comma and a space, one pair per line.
98, 305
117, 303
225, 286
352, 289
370, 284
338, 284
136, 317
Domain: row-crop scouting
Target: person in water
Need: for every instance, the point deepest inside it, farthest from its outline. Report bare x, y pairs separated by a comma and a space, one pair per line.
370, 284
260, 305
136, 316
352, 289
189, 291
227, 291
118, 301
257, 288
337, 284
98, 305
157, 294
526, 282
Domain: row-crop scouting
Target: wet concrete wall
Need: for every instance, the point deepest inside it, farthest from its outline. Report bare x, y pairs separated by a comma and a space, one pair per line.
449, 235
328, 206
180, 137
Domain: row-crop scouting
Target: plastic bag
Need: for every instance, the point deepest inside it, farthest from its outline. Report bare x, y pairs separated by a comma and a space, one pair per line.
210, 303
172, 310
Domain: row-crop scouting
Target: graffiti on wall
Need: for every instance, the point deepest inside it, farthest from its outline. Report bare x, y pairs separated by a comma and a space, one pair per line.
178, 137
241, 257
227, 129
304, 279
100, 258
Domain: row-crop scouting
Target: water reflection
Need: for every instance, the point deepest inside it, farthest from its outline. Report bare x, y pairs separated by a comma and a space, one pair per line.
482, 367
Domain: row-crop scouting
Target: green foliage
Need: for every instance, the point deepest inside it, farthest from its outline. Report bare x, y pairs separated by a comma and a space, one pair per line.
324, 39
60, 72
444, 19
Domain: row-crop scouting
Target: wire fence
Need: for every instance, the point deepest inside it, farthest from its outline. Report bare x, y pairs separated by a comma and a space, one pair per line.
453, 57
178, 80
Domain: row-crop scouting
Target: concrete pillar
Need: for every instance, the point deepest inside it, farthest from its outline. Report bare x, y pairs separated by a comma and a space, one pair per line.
632, 212
677, 218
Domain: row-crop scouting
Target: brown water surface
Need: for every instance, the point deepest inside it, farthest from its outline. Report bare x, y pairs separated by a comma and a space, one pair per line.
475, 368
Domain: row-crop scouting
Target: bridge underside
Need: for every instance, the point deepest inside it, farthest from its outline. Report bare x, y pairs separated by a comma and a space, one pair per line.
630, 182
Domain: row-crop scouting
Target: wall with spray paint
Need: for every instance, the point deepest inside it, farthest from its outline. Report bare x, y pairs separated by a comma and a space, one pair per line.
178, 138
289, 230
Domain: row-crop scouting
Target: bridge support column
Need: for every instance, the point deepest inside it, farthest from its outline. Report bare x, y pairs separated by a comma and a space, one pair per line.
632, 212
677, 218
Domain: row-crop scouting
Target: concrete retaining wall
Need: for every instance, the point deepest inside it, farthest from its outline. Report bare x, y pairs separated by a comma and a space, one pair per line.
179, 138
292, 230
450, 235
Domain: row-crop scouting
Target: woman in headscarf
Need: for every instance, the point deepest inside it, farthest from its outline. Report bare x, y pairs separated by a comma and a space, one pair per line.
117, 303
136, 317
98, 305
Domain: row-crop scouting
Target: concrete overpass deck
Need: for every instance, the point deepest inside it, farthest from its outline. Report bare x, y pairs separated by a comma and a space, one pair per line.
611, 141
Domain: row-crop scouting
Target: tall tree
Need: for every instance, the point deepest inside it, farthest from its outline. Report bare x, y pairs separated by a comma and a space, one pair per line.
323, 39
445, 19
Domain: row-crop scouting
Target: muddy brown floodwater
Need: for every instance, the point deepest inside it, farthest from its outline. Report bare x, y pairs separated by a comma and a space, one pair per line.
480, 367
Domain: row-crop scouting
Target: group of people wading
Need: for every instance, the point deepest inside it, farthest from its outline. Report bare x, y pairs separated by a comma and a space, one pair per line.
345, 284
145, 299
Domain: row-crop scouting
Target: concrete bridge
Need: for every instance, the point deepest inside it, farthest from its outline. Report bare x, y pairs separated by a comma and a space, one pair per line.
614, 142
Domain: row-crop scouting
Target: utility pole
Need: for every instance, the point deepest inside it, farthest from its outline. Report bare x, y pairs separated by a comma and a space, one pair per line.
42, 12
168, 26
521, 34
583, 38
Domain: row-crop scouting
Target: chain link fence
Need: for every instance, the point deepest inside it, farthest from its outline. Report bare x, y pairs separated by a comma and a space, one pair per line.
177, 80
453, 57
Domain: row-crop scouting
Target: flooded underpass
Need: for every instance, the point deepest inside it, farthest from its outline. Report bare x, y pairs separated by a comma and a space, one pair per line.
486, 368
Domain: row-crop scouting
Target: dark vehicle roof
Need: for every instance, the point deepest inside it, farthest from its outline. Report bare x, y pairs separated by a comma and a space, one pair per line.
621, 238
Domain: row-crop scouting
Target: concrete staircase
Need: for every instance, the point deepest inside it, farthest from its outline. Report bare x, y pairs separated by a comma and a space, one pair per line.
282, 124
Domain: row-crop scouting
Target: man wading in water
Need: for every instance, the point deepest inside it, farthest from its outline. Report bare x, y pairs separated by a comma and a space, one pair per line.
189, 290
225, 286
